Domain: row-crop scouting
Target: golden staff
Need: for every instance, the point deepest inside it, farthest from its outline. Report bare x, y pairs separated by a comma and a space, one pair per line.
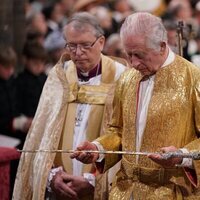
84, 151
195, 155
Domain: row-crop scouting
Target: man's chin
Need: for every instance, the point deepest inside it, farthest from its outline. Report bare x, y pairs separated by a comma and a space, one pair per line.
83, 68
81, 63
145, 73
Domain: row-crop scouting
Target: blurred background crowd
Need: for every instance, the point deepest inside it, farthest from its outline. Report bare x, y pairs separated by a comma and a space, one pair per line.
40, 23
31, 43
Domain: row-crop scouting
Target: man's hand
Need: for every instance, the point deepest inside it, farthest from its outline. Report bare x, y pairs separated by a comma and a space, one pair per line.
62, 188
83, 156
27, 124
69, 187
171, 162
22, 123
80, 185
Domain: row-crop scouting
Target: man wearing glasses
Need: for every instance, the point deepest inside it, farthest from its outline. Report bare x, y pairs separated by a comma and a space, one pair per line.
71, 110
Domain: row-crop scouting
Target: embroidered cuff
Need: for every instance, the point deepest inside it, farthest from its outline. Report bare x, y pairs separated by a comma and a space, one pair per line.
52, 173
90, 178
187, 162
100, 148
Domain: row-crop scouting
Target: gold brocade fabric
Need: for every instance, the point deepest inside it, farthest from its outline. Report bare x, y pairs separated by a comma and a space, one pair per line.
173, 119
44, 133
94, 95
47, 127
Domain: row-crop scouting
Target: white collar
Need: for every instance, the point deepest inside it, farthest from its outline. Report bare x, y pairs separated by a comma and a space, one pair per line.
170, 58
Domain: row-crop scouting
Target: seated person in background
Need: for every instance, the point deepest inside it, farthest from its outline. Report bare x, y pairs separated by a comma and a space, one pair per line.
114, 46
54, 45
30, 82
11, 123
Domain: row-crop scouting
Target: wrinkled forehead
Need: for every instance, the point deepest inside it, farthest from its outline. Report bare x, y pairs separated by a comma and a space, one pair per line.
73, 30
81, 27
132, 42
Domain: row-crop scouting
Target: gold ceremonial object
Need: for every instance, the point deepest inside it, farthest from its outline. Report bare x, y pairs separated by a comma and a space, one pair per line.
194, 155
84, 151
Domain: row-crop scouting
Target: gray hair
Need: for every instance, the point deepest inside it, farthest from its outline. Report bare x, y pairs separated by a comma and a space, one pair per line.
112, 39
83, 21
146, 24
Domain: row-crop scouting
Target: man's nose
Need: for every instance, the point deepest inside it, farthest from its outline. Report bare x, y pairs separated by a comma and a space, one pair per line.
78, 50
134, 62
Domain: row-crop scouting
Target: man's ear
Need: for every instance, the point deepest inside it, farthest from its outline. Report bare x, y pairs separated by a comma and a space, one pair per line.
162, 47
102, 42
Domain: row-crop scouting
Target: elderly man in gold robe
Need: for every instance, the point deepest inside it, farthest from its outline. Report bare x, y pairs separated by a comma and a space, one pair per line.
156, 108
71, 110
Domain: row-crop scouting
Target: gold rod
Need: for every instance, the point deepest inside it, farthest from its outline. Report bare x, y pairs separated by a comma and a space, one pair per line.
194, 155
84, 151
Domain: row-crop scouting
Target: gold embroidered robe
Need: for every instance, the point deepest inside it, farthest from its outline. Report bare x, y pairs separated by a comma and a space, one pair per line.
173, 119
59, 93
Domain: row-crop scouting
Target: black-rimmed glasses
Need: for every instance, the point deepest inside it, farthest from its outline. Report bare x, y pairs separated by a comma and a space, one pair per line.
83, 46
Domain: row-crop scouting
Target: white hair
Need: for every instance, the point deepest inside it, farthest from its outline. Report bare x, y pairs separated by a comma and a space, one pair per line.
147, 25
